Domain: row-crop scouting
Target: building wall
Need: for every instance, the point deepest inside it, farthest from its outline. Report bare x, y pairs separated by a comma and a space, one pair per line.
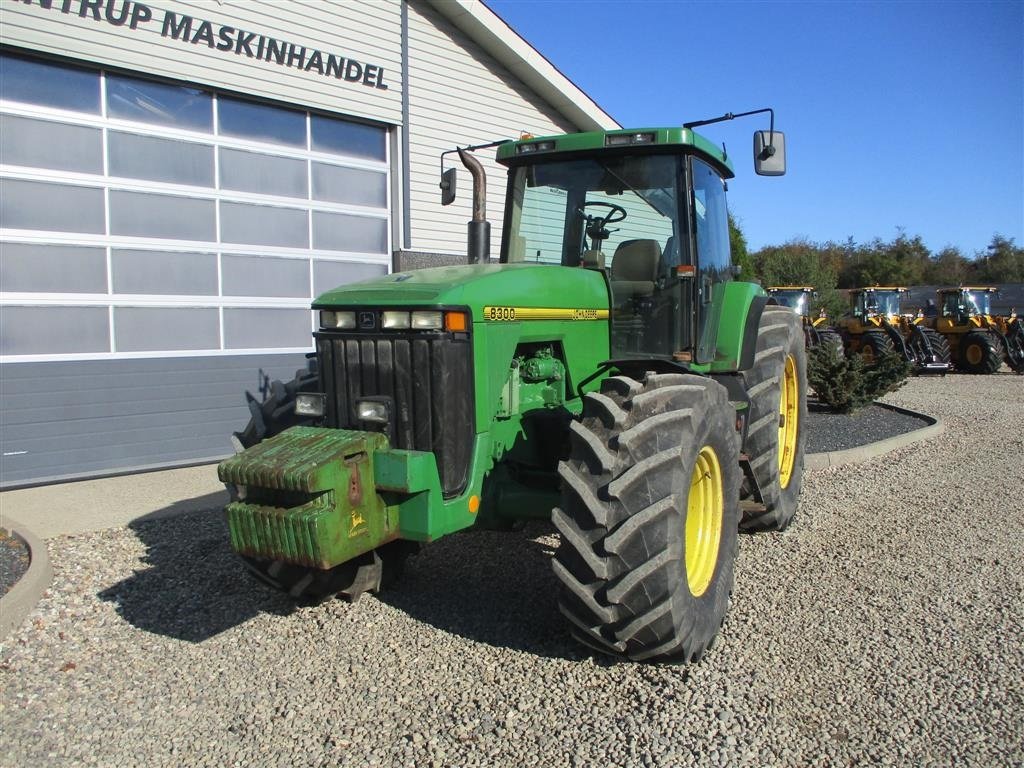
156, 263
118, 33
459, 95
152, 270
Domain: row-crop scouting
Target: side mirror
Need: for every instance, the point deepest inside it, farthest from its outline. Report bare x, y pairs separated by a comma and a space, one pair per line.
448, 187
769, 153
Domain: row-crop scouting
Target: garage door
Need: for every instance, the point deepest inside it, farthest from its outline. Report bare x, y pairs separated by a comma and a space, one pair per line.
144, 220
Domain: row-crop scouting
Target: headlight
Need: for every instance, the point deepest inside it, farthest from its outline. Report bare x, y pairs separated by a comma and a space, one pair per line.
309, 404
396, 320
427, 320
332, 319
376, 411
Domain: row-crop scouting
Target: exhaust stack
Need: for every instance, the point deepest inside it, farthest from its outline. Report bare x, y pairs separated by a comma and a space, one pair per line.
479, 229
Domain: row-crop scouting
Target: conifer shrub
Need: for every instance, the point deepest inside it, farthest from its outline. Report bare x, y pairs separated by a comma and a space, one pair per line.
845, 384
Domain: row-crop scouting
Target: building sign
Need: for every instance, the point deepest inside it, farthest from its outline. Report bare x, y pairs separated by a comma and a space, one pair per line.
189, 30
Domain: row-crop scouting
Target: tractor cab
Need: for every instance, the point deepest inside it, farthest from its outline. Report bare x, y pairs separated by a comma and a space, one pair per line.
959, 305
875, 305
646, 208
632, 216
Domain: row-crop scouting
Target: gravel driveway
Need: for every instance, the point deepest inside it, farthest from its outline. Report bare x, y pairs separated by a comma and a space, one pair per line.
886, 626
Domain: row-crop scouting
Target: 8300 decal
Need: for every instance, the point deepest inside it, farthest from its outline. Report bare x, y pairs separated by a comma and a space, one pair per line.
505, 314
500, 313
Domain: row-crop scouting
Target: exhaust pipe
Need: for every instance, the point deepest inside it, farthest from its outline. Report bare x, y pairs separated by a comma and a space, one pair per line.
479, 229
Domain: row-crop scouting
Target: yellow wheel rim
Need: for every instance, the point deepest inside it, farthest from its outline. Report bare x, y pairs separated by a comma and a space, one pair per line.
704, 514
974, 354
868, 353
789, 421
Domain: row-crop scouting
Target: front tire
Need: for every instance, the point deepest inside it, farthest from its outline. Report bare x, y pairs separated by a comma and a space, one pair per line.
875, 344
277, 413
370, 572
777, 386
648, 520
939, 344
980, 353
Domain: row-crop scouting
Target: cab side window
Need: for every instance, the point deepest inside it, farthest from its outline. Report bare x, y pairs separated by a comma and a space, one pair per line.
712, 219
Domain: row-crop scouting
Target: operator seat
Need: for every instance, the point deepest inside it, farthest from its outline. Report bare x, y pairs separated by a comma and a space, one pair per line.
634, 270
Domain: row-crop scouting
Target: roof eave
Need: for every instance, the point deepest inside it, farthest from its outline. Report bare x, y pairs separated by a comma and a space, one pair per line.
502, 42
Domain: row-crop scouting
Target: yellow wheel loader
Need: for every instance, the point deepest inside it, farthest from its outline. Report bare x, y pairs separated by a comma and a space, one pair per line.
979, 340
817, 330
875, 326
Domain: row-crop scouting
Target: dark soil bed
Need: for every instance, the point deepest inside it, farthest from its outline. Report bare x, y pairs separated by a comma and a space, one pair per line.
13, 560
828, 431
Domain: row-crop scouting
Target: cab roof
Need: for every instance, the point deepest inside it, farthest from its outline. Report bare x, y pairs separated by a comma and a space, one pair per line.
511, 152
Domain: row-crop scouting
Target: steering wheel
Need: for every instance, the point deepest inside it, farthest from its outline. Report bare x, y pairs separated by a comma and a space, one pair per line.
611, 218
596, 226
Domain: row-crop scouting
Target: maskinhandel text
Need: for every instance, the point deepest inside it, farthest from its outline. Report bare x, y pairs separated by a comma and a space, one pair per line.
222, 38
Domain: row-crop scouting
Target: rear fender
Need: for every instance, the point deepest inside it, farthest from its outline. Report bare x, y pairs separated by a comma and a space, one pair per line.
742, 305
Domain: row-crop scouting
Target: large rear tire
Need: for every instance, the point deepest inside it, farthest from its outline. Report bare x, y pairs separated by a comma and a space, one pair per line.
831, 338
980, 353
1014, 343
777, 386
648, 520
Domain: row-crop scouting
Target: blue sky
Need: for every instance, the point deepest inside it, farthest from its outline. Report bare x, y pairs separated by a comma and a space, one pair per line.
896, 114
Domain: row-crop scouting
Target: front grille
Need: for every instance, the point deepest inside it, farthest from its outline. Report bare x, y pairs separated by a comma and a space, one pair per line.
429, 379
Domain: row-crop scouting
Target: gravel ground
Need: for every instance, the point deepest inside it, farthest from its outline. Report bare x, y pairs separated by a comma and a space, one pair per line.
885, 627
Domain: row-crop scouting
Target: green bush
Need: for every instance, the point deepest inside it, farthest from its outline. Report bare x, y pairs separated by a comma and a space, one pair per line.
848, 383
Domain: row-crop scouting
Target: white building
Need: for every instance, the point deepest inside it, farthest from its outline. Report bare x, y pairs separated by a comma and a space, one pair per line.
178, 179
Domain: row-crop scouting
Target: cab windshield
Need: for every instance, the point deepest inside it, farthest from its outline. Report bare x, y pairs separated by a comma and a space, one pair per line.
796, 300
879, 303
589, 211
978, 302
967, 304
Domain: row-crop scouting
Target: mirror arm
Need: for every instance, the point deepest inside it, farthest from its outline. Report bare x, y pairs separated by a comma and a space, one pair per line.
444, 182
769, 150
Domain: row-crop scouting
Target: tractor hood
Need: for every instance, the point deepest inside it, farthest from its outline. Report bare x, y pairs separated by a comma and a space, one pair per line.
476, 286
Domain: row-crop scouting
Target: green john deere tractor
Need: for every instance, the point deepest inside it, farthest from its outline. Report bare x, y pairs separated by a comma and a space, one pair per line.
607, 374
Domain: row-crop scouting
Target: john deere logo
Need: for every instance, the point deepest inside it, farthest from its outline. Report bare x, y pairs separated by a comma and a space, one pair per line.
367, 321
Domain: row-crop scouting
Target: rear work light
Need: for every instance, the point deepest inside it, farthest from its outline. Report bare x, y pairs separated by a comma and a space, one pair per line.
537, 146
625, 139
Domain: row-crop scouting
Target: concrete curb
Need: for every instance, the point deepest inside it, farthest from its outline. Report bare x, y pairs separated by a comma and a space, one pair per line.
19, 602
861, 453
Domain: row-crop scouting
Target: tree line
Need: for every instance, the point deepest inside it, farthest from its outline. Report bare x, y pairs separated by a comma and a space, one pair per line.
904, 261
